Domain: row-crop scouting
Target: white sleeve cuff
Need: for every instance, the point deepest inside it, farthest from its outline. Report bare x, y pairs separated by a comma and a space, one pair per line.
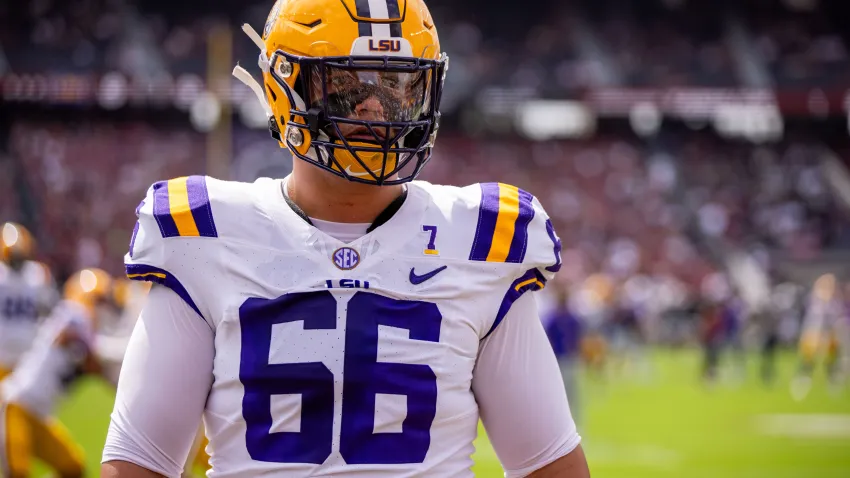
124, 443
563, 447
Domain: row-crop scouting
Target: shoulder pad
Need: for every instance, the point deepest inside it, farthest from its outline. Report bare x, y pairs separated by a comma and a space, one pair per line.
177, 208
513, 227
176, 213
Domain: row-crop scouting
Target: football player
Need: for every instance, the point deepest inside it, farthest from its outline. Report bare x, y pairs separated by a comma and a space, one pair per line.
114, 329
821, 327
26, 294
345, 320
61, 352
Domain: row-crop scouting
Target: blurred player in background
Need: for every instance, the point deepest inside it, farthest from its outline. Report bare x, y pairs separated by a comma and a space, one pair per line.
626, 335
594, 304
823, 326
711, 332
345, 320
114, 329
26, 294
62, 351
564, 330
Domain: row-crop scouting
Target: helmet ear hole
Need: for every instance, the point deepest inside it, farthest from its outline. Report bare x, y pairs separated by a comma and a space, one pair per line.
271, 92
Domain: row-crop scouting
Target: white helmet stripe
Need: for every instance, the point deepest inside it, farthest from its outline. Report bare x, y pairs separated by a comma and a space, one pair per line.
379, 11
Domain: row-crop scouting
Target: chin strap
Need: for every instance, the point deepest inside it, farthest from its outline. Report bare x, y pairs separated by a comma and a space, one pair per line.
263, 61
242, 74
255, 37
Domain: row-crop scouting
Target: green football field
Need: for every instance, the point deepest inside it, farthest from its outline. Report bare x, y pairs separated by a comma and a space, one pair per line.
654, 420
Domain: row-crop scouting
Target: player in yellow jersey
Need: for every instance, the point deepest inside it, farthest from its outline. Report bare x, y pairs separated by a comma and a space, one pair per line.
26, 294
62, 351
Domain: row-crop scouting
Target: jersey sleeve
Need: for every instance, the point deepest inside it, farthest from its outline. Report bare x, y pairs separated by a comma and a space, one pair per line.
514, 228
158, 405
520, 393
172, 212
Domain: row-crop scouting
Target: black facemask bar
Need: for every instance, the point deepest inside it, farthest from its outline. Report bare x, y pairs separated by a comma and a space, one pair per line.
404, 145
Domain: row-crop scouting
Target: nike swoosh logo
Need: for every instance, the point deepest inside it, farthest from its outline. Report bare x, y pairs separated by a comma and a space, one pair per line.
417, 279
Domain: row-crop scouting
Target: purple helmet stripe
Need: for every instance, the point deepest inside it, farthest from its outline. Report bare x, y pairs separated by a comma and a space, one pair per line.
393, 12
364, 29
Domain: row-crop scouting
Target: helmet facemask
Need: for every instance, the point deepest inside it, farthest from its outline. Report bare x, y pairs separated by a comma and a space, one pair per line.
368, 119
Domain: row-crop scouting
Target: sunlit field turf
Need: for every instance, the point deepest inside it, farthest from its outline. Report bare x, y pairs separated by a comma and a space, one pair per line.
654, 420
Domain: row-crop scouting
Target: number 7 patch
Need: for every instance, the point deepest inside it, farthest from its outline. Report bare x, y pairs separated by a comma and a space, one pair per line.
431, 250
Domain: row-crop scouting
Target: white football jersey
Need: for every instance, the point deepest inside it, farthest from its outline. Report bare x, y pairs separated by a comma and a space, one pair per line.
24, 294
343, 358
49, 365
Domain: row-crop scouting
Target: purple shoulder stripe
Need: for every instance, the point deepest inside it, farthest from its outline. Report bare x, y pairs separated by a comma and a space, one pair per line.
530, 281
550, 229
488, 213
189, 210
144, 272
199, 202
162, 210
519, 243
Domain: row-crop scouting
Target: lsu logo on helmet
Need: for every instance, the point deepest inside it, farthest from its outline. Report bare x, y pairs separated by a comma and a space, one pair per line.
384, 45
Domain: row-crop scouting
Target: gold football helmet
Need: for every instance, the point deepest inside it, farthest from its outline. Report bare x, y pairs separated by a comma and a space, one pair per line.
17, 243
91, 287
352, 86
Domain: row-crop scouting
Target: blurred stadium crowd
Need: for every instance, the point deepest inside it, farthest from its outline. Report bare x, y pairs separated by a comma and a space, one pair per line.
660, 212
555, 46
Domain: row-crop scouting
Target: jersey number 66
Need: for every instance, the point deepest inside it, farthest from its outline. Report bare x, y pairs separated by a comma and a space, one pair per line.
364, 378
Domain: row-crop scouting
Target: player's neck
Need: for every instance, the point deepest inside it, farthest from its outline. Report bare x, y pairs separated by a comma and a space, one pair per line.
330, 198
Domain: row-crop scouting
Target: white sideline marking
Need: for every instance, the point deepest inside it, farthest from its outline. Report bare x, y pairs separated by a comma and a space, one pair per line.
638, 455
804, 425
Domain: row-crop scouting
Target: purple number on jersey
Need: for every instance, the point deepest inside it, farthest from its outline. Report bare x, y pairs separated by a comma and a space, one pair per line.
432, 236
262, 380
364, 378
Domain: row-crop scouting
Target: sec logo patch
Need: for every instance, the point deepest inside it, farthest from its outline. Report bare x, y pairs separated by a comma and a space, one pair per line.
346, 258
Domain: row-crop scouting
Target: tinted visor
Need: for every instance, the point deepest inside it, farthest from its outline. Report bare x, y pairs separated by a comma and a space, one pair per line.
369, 95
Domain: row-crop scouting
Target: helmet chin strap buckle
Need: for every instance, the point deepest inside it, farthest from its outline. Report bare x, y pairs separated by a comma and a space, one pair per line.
314, 118
274, 129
